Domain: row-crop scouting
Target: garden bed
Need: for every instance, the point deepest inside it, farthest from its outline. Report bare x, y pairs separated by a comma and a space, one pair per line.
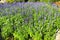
29, 21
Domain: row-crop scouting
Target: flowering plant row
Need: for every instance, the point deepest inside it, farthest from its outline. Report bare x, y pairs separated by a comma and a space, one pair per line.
29, 22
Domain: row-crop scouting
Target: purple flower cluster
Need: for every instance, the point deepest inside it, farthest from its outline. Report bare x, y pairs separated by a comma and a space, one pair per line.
23, 7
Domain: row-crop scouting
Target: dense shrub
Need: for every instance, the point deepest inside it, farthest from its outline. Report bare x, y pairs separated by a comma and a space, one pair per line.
29, 21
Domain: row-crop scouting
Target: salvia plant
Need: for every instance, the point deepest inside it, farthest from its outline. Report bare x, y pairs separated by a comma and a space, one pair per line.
29, 21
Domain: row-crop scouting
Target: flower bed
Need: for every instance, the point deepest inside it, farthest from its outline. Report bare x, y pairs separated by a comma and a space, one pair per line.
29, 21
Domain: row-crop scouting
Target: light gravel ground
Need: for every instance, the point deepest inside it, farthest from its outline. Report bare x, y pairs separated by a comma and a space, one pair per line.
58, 35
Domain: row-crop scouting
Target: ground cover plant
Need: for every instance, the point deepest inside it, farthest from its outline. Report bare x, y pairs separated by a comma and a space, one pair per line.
29, 21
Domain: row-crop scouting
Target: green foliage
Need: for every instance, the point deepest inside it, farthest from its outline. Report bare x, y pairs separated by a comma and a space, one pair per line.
10, 1
44, 0
19, 0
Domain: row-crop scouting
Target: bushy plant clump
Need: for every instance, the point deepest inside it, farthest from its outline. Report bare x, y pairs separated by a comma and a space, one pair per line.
29, 21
